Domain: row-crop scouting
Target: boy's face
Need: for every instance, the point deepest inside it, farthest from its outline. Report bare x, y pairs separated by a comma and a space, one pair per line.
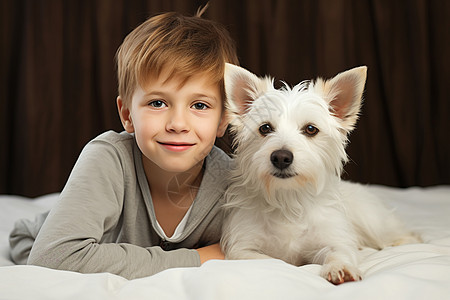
175, 124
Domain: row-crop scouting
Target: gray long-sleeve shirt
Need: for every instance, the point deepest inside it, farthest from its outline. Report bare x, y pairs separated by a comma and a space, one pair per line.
104, 220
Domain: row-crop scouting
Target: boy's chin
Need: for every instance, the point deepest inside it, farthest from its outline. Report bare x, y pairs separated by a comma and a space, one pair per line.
183, 167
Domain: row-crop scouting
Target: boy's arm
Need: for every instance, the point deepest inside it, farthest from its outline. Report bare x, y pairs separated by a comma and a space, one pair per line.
210, 252
90, 206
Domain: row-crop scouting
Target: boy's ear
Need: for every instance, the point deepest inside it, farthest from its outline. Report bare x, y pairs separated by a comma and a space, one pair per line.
125, 116
243, 87
344, 94
223, 125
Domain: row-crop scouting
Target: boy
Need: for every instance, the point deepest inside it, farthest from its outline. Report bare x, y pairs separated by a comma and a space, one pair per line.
147, 199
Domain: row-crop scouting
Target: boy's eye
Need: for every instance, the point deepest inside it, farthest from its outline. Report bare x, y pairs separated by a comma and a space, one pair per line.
200, 106
157, 103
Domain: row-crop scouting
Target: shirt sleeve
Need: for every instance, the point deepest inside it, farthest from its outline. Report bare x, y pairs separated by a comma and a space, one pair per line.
90, 206
22, 237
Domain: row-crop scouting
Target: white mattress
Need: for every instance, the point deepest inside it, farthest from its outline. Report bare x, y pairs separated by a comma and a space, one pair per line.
420, 271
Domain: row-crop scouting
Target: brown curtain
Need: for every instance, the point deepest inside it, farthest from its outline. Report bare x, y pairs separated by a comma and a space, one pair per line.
58, 84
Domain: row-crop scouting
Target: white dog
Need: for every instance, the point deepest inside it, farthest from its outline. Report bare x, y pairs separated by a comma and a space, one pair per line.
286, 199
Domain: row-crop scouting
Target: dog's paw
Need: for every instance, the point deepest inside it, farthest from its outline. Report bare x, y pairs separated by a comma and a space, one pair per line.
338, 274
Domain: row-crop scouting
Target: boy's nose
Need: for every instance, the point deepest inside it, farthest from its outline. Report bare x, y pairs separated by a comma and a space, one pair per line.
177, 122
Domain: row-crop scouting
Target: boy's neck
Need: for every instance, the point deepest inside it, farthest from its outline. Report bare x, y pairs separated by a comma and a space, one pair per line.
178, 188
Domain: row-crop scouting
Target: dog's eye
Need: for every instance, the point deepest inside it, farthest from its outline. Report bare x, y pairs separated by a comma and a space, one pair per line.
265, 129
310, 130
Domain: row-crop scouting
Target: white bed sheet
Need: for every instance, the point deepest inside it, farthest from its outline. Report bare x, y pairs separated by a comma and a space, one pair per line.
420, 271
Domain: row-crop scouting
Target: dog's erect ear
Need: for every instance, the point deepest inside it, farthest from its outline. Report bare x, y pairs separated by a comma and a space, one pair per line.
344, 94
243, 87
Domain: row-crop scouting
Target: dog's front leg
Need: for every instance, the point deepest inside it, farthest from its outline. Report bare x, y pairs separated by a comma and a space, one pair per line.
243, 237
236, 249
240, 250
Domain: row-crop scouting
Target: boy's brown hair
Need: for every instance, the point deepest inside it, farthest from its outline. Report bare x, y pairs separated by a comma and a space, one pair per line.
187, 45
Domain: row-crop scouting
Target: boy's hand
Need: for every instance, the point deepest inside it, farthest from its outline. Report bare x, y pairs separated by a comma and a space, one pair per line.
210, 252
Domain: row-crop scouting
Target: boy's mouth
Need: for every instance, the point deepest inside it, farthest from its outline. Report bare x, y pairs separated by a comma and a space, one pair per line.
176, 146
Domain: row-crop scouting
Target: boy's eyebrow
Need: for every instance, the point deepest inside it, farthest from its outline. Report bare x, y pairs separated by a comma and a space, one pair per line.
151, 93
194, 95
204, 95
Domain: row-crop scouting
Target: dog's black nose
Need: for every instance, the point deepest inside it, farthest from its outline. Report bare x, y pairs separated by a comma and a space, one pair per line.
281, 159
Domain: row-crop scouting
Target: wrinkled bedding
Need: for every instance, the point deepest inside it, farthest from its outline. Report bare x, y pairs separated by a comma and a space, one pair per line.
418, 271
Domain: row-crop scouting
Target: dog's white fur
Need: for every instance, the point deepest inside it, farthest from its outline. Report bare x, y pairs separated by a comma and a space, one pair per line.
302, 213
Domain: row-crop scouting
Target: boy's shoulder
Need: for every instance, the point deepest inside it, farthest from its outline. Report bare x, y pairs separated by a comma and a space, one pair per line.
115, 137
218, 165
121, 143
219, 156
